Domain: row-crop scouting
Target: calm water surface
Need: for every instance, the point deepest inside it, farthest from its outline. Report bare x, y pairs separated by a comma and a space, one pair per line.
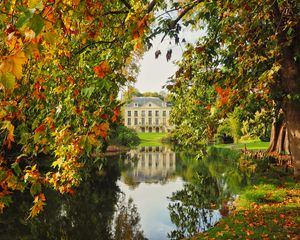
149, 193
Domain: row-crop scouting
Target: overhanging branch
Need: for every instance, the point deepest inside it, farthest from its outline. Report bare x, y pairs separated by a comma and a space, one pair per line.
173, 23
94, 43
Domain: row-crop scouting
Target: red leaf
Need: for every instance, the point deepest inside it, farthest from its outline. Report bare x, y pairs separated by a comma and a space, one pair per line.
40, 128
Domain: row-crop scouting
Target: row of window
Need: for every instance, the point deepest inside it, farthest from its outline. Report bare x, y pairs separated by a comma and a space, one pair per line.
143, 114
150, 122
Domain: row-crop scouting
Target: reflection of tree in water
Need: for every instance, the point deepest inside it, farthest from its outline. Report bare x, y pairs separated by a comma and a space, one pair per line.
213, 181
127, 222
89, 214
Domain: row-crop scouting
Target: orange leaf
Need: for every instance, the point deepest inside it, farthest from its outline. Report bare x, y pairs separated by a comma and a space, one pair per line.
101, 129
102, 69
116, 114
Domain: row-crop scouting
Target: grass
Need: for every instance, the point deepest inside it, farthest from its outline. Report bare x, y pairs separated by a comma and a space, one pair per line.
269, 209
151, 139
250, 145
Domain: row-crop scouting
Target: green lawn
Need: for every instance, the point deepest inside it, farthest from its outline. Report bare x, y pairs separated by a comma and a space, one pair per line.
151, 139
250, 145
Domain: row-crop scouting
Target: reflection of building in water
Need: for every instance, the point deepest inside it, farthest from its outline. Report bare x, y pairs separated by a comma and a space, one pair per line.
153, 164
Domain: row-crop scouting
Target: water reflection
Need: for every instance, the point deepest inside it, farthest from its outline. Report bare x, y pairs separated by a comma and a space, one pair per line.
90, 214
150, 165
206, 197
148, 193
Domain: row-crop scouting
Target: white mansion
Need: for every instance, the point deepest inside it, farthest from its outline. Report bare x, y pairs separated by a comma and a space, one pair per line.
147, 114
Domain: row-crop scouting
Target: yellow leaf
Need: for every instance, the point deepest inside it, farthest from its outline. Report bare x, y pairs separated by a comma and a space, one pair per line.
8, 81
35, 4
93, 139
18, 60
13, 64
10, 128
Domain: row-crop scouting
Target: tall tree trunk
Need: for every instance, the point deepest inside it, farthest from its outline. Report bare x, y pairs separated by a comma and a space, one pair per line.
290, 79
293, 125
279, 142
291, 83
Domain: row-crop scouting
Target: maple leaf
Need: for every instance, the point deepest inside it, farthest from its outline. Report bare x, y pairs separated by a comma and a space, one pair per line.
116, 114
101, 129
102, 69
92, 139
40, 128
39, 202
13, 64
10, 136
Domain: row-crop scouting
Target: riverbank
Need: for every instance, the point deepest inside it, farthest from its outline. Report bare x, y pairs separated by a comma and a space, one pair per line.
250, 145
268, 209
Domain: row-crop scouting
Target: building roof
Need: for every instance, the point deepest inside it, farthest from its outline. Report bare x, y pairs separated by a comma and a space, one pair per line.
140, 101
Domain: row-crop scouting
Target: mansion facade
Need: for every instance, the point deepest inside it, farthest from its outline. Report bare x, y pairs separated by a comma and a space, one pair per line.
147, 114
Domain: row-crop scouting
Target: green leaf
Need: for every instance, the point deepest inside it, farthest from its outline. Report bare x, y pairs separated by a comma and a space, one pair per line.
15, 166
37, 24
8, 81
88, 91
24, 17
35, 189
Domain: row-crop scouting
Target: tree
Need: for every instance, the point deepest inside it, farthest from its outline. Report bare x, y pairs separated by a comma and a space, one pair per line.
61, 66
251, 51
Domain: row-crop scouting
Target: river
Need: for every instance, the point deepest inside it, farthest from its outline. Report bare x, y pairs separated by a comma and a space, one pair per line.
153, 193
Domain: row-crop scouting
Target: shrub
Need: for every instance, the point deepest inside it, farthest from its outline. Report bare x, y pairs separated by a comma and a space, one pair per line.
125, 136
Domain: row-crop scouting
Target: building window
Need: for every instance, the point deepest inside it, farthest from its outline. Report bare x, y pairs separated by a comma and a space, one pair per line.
149, 113
150, 121
143, 121
164, 121
136, 104
135, 113
150, 105
135, 121
143, 113
129, 113
164, 113
156, 113
156, 121
129, 121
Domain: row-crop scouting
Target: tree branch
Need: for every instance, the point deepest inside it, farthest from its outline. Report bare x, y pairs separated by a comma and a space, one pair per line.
151, 6
173, 23
126, 4
116, 12
94, 43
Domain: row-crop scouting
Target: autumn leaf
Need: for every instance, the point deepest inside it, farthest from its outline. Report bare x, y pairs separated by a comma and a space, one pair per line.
35, 4
92, 139
101, 129
102, 69
10, 136
116, 114
13, 64
40, 128
8, 81
39, 202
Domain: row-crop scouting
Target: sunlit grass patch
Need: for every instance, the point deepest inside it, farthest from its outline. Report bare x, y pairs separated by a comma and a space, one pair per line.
151, 139
265, 193
250, 145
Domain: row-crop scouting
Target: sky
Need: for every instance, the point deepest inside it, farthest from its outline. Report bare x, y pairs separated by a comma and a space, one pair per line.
154, 73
